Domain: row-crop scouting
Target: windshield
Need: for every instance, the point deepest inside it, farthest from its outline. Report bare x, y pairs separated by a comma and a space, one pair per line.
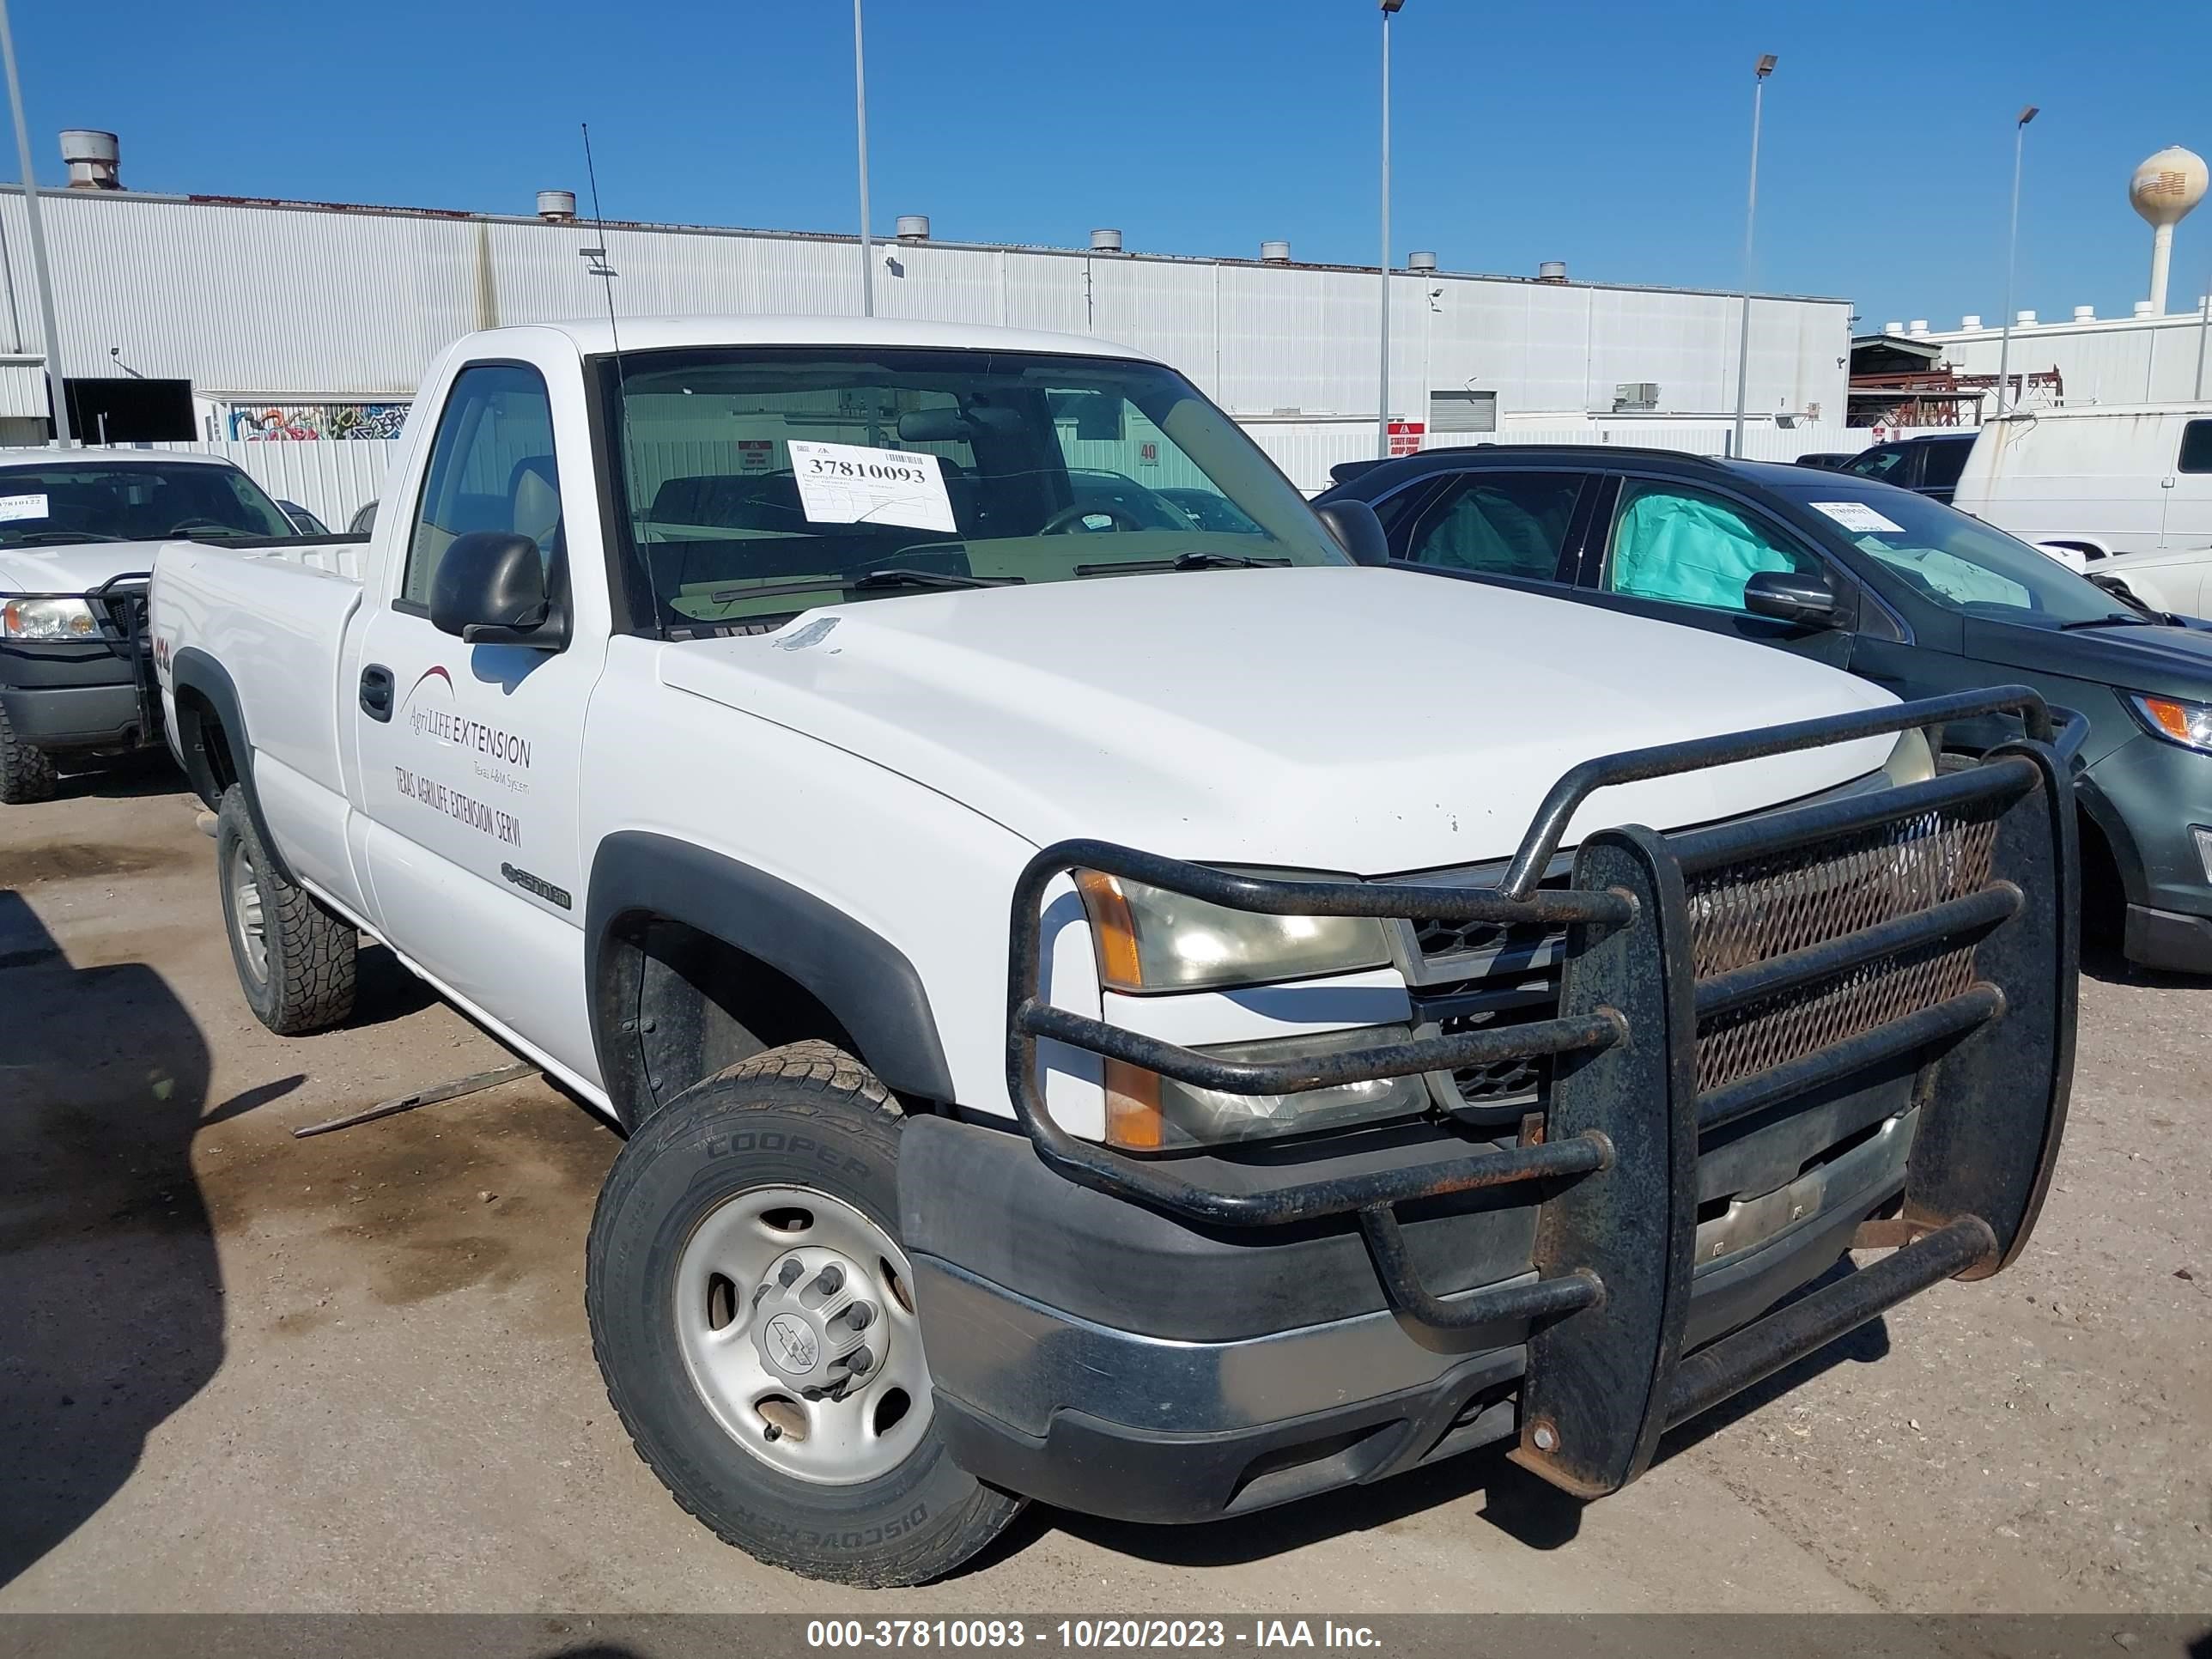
87, 501
1958, 561
760, 481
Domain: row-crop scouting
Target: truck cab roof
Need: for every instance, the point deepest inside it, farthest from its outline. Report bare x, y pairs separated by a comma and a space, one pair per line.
597, 336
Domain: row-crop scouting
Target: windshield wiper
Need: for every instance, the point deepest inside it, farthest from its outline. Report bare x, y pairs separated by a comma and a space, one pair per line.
57, 538
900, 576
1180, 561
2117, 619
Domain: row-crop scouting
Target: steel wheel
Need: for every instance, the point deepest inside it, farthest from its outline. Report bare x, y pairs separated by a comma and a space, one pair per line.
797, 1327
246, 919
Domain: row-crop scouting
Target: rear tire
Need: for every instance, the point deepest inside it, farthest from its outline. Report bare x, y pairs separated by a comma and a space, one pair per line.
26, 773
296, 960
693, 1267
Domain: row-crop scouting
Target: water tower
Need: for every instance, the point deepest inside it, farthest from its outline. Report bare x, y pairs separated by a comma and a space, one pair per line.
2163, 191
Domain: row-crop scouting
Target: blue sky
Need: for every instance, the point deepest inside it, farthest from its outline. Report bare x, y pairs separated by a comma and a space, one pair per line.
1611, 135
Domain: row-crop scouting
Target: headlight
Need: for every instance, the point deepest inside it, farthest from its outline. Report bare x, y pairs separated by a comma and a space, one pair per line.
47, 619
2189, 724
1147, 1112
1912, 760
1150, 939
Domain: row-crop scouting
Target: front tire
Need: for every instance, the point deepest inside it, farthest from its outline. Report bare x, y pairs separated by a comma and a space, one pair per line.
26, 772
296, 960
793, 1420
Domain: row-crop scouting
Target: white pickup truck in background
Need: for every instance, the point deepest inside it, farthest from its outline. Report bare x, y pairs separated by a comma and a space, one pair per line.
1147, 1016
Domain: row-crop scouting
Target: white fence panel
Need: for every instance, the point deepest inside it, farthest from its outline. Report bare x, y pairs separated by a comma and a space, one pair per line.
334, 479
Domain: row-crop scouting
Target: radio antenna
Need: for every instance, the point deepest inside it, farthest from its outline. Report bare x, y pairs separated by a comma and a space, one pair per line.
606, 273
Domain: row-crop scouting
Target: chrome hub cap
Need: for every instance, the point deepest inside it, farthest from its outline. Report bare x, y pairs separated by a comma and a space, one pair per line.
246, 917
797, 1327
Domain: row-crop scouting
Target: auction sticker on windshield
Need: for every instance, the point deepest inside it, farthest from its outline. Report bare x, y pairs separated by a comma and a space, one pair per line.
12, 507
1857, 518
850, 483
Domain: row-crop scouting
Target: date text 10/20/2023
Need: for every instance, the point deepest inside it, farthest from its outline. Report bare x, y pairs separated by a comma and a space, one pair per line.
1087, 1634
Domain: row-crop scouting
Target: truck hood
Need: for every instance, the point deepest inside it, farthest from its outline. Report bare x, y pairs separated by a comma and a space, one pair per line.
70, 567
1340, 719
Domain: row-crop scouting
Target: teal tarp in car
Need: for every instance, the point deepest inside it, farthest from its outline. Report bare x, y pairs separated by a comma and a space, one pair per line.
1693, 552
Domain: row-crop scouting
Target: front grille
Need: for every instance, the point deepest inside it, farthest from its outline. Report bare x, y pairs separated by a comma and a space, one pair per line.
1441, 940
1767, 908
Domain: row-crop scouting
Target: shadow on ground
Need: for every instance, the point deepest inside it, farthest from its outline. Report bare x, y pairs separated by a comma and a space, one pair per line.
110, 1294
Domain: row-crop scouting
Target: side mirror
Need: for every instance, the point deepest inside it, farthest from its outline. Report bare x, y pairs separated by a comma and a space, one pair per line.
1787, 596
490, 590
1357, 530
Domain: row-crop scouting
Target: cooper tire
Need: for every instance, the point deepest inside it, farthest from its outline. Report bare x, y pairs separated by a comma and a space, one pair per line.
800, 1126
26, 773
296, 960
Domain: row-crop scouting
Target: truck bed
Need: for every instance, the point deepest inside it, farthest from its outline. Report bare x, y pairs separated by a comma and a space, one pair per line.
275, 619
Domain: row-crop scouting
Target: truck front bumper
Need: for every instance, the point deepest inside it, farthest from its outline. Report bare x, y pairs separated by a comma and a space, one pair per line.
1101, 1356
90, 693
1848, 1025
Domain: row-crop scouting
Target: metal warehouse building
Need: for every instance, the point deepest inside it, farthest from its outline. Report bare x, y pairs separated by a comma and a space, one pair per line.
2141, 359
309, 319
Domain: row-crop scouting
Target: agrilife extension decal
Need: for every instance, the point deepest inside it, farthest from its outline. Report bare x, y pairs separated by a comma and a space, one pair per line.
495, 755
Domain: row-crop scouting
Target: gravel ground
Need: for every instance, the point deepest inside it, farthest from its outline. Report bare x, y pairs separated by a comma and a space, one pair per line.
241, 1372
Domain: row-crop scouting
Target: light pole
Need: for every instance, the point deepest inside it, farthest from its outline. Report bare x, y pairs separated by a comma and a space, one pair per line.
2012, 255
57, 390
1764, 67
861, 123
1382, 399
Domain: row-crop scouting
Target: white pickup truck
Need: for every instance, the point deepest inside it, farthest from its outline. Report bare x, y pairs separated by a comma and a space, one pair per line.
1155, 1018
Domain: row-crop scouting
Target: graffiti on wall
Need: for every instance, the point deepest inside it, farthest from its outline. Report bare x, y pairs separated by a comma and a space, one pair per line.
297, 421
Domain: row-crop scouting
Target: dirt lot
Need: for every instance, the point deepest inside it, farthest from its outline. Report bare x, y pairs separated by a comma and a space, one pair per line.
241, 1372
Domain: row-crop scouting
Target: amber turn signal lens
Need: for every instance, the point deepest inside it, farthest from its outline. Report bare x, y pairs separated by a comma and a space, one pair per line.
1112, 931
2170, 717
1132, 1107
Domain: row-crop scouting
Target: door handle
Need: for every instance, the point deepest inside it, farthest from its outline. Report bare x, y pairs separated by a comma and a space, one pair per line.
376, 691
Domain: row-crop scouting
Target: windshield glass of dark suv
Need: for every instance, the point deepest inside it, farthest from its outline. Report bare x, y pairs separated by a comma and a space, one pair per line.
144, 501
755, 482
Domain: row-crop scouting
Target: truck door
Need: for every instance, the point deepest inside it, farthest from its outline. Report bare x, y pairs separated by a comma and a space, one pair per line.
469, 753
2188, 520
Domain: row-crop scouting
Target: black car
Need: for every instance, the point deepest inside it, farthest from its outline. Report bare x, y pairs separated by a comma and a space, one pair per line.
1909, 593
1930, 466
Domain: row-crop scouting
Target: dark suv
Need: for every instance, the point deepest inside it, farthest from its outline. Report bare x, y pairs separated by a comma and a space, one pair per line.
1892, 585
1930, 466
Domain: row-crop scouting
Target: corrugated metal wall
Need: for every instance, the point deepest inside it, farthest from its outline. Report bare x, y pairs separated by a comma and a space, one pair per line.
2118, 361
299, 304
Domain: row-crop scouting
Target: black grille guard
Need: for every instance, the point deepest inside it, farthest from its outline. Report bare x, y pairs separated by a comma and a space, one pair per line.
1932, 924
119, 607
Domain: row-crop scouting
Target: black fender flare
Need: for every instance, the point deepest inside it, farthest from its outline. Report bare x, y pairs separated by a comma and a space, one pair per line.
863, 979
192, 669
2127, 856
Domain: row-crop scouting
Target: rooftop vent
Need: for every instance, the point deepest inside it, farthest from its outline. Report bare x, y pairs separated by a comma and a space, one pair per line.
2024, 320
557, 207
2146, 309
1105, 242
1551, 270
1919, 330
1275, 253
2085, 313
1970, 322
94, 159
1893, 328
1423, 261
913, 227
